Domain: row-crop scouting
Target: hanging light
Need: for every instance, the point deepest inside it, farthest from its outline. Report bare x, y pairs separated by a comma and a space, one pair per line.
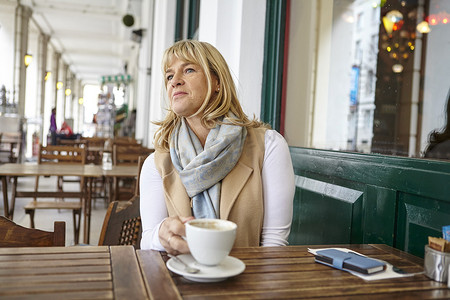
59, 85
394, 16
28, 58
397, 68
423, 27
48, 74
68, 91
128, 19
393, 21
80, 101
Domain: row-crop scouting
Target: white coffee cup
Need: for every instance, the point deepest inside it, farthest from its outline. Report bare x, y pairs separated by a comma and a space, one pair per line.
210, 240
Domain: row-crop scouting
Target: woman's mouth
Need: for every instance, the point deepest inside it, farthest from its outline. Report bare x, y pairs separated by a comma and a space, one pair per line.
178, 94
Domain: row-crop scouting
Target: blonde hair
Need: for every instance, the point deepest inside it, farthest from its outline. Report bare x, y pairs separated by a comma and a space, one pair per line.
214, 108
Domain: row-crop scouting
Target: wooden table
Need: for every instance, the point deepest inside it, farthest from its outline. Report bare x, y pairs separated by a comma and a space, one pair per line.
81, 272
27, 169
94, 171
89, 172
290, 272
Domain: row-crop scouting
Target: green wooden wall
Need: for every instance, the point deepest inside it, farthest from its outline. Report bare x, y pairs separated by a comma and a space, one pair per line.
363, 198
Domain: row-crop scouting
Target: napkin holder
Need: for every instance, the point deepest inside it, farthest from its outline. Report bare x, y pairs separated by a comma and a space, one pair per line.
436, 264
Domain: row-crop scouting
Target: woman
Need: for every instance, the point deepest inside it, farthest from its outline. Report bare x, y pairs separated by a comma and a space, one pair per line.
211, 161
439, 142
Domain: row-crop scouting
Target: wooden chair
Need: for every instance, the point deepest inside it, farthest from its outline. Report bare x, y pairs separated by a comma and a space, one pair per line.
122, 224
124, 188
14, 235
11, 146
140, 164
59, 155
129, 154
124, 141
94, 147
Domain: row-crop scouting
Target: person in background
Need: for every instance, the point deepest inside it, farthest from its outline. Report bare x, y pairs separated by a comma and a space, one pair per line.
439, 142
211, 160
53, 127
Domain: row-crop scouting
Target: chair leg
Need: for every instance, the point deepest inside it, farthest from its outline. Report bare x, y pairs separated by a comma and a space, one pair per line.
76, 224
31, 213
36, 186
60, 182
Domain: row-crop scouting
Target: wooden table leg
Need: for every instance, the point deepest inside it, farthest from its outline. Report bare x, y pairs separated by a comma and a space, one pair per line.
13, 197
87, 210
5, 196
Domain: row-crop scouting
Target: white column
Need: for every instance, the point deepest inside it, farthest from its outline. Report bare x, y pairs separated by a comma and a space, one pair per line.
163, 37
236, 28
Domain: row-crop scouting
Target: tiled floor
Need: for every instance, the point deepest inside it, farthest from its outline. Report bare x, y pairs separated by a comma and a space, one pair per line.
44, 218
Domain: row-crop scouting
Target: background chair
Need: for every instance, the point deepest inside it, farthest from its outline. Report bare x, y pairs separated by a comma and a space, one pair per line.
13, 235
141, 161
94, 148
124, 188
59, 155
122, 224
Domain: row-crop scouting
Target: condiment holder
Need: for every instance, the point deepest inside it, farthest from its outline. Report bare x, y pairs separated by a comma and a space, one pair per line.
107, 161
437, 264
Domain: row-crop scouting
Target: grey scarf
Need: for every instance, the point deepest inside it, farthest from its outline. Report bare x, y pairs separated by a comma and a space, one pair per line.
202, 170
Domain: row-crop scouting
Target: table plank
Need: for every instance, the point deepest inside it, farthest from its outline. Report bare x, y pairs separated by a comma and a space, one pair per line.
128, 282
157, 278
67, 295
58, 287
53, 256
54, 263
74, 276
54, 250
55, 270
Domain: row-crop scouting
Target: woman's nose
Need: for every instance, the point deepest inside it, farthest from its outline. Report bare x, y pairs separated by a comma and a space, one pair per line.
176, 80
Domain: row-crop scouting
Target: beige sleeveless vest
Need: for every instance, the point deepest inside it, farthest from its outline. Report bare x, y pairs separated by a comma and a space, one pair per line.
241, 198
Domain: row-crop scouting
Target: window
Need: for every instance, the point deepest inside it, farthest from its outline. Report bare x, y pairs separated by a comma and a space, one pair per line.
379, 89
187, 19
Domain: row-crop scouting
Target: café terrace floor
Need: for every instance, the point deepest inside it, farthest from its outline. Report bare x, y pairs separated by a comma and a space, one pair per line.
44, 218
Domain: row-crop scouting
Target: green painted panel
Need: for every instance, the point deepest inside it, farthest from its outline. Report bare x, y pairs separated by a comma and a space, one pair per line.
379, 215
419, 218
273, 63
404, 200
416, 176
324, 213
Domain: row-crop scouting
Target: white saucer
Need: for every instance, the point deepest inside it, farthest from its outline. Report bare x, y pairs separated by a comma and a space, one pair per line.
229, 267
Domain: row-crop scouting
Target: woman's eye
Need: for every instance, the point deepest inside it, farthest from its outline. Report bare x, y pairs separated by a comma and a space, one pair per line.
169, 77
190, 70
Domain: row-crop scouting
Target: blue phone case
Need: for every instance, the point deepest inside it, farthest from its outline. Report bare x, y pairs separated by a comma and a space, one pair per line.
349, 261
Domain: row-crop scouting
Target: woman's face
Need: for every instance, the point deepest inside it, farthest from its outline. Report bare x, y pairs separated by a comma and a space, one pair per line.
187, 87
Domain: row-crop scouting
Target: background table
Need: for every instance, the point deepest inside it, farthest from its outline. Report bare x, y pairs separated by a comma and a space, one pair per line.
82, 272
290, 272
89, 172
26, 169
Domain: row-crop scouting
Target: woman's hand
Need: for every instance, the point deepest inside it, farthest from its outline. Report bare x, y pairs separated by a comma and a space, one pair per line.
170, 234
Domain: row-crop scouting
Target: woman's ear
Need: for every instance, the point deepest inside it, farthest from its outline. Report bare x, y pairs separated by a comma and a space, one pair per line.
216, 84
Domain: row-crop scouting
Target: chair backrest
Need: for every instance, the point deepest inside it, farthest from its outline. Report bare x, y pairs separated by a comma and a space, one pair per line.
122, 224
124, 140
94, 141
14, 235
61, 154
129, 154
140, 163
